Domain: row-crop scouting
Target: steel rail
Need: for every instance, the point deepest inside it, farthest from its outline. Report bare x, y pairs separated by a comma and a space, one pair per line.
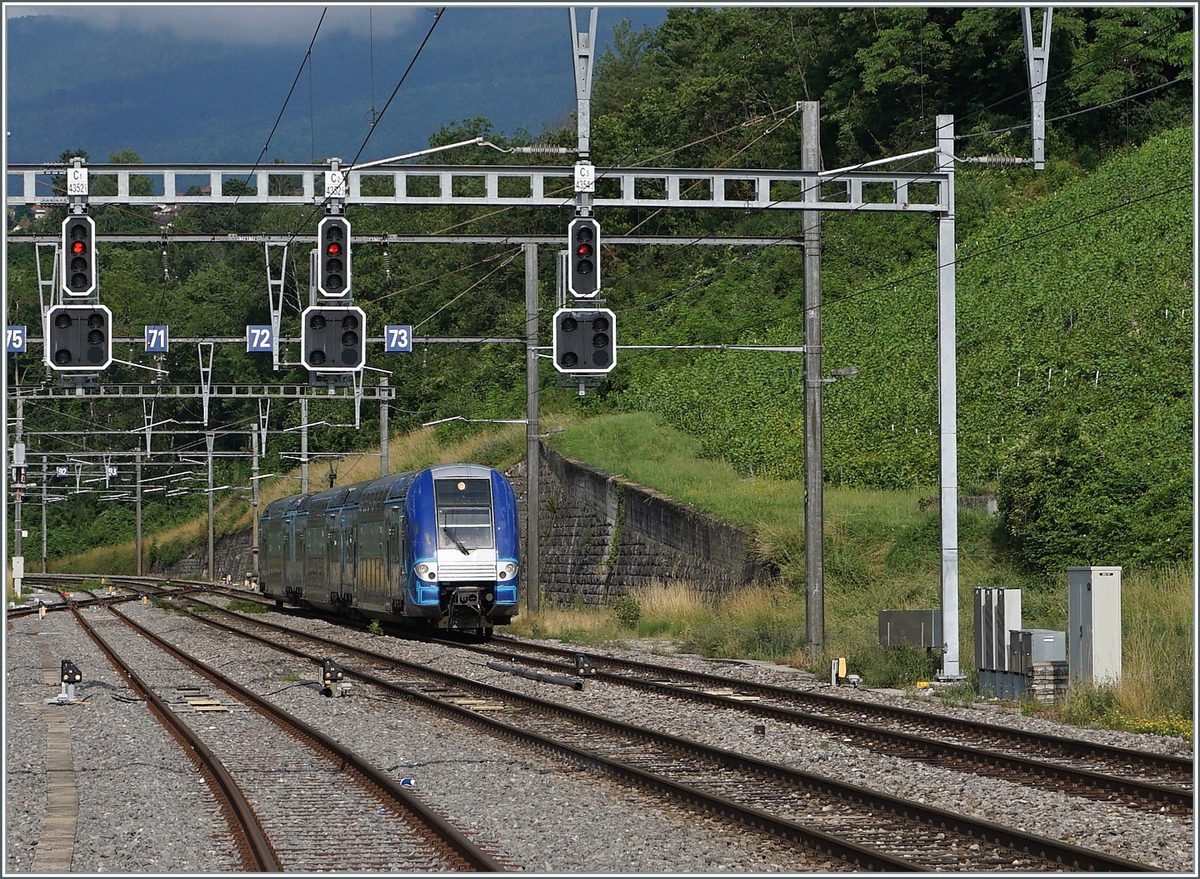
473, 857
894, 742
1033, 845
1035, 741
252, 843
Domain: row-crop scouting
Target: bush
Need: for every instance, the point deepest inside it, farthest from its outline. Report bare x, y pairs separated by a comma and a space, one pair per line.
627, 610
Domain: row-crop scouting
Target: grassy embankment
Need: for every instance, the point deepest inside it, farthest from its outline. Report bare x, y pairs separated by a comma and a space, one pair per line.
882, 553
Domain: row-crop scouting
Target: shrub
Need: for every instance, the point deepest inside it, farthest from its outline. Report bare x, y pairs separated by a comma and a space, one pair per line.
627, 610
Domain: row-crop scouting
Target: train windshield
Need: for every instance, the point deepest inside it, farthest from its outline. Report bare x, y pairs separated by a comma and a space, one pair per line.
464, 510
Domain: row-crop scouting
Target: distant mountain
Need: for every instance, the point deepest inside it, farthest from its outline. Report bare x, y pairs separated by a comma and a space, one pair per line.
71, 86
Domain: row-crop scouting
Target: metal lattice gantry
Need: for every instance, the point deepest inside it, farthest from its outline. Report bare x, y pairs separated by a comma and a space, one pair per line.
498, 186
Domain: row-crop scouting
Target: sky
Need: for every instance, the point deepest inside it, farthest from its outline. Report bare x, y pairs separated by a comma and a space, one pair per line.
205, 82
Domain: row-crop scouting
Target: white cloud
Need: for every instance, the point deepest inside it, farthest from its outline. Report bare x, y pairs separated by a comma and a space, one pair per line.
261, 24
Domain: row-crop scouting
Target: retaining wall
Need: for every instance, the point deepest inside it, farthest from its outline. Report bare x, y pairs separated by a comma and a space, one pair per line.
601, 537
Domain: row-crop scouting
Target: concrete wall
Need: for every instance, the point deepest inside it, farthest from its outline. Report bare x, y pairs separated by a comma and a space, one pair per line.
601, 537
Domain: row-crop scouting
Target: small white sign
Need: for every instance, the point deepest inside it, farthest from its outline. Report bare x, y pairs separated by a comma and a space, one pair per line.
585, 177
335, 184
77, 181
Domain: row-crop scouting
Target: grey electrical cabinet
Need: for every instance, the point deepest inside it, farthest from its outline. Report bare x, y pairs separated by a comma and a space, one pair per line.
1027, 646
997, 612
1094, 624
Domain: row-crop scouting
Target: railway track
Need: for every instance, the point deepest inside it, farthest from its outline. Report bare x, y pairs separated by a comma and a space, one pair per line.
1146, 780
293, 783
863, 828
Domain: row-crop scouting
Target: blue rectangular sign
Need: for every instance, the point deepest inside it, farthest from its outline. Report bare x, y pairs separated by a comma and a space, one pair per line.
16, 340
397, 338
259, 338
157, 339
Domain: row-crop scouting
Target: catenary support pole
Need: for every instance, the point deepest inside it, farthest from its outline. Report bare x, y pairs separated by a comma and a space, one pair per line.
948, 405
45, 503
532, 573
383, 428
304, 445
137, 548
814, 476
254, 506
212, 554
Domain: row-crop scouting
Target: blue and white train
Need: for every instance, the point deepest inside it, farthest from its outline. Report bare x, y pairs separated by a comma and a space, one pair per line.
437, 548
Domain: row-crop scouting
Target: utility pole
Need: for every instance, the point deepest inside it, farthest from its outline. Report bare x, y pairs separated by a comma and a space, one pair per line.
1037, 60
18, 459
383, 429
814, 465
533, 454
948, 403
137, 543
212, 569
45, 503
254, 505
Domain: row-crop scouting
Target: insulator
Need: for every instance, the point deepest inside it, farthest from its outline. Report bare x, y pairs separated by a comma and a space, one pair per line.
166, 267
387, 264
1002, 161
542, 149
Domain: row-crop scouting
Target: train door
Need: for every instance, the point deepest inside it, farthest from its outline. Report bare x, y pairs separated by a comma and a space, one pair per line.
393, 543
333, 557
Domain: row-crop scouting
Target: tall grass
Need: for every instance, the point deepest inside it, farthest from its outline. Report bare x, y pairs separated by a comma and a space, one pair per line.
882, 552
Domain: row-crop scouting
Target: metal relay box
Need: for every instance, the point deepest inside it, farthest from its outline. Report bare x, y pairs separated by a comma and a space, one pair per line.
1027, 646
910, 628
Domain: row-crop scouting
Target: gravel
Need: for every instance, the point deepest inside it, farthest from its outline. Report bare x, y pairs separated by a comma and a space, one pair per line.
143, 810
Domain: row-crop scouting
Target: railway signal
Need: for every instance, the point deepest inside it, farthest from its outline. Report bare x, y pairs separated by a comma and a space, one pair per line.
333, 339
585, 340
79, 338
78, 255
583, 258
333, 257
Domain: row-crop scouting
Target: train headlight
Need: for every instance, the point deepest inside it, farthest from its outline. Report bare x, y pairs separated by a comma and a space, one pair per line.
506, 570
426, 572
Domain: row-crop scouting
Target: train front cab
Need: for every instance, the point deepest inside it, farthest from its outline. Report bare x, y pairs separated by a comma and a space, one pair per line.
462, 531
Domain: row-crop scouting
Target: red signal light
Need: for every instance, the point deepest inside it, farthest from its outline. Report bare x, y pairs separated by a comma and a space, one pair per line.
333, 247
78, 247
584, 250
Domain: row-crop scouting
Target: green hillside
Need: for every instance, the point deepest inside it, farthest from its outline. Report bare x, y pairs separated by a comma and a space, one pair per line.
1075, 314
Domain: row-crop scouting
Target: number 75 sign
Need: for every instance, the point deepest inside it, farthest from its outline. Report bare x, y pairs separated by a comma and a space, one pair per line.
15, 340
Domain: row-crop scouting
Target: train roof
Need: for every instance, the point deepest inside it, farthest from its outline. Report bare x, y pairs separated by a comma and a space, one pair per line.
390, 486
